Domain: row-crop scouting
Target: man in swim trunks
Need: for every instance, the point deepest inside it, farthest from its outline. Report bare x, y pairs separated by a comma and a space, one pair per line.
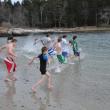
10, 59
58, 49
75, 47
43, 57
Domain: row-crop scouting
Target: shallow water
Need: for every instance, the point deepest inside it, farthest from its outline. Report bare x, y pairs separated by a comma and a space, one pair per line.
82, 86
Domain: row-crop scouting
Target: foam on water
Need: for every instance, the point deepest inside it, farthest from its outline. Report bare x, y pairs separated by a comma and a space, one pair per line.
28, 46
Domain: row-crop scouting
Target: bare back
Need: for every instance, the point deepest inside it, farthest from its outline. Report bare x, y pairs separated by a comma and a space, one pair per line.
9, 50
58, 48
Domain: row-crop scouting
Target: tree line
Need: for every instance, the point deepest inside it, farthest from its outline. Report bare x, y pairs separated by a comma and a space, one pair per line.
55, 13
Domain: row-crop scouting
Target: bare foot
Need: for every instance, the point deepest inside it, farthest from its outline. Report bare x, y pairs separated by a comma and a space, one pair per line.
7, 80
50, 87
33, 90
14, 78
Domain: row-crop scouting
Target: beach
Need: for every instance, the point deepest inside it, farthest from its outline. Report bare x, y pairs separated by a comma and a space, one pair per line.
19, 31
82, 86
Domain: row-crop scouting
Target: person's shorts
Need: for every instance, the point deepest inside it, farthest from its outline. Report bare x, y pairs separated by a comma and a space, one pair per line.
43, 71
61, 58
51, 52
76, 53
10, 64
65, 54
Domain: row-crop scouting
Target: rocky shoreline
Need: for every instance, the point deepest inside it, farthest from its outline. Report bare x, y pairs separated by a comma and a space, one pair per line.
26, 31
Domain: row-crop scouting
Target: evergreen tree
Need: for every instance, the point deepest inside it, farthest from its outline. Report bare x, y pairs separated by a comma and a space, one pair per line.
55, 13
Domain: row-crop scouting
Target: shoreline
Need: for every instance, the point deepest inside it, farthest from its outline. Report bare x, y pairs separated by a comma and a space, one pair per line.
26, 31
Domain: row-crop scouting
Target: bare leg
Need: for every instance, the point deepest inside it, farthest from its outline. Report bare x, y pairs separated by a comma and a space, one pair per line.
49, 80
38, 83
50, 59
79, 58
8, 77
13, 76
13, 72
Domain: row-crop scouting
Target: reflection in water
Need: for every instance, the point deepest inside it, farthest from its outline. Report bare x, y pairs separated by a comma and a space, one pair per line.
43, 102
9, 95
73, 85
73, 78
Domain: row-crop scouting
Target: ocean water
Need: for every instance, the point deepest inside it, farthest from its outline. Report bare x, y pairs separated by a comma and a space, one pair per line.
95, 50
87, 84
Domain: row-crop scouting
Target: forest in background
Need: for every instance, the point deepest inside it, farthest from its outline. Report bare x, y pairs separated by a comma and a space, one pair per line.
55, 13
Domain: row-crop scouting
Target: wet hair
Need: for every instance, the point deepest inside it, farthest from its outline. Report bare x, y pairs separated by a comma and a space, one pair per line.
10, 38
64, 36
74, 37
59, 39
70, 41
14, 40
44, 49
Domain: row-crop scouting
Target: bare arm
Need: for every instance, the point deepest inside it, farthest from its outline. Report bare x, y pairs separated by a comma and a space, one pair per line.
42, 42
32, 60
2, 47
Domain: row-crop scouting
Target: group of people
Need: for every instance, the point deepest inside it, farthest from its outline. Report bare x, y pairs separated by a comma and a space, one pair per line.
49, 49
60, 47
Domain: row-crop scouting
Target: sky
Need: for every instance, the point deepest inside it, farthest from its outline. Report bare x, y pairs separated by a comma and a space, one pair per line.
14, 0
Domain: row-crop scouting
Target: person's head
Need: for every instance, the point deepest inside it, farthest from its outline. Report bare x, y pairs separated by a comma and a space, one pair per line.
9, 39
64, 36
70, 41
14, 41
59, 39
44, 50
74, 37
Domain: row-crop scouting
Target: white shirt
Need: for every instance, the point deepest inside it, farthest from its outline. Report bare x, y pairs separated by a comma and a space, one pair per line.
64, 45
47, 42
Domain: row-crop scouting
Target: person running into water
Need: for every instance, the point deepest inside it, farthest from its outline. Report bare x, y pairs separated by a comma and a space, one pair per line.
43, 57
65, 44
10, 58
58, 49
75, 47
47, 42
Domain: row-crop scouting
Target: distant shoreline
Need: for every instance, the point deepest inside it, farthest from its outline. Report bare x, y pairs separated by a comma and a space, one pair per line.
4, 32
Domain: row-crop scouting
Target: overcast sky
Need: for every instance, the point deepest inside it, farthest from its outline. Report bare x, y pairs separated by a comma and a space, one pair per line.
13, 0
